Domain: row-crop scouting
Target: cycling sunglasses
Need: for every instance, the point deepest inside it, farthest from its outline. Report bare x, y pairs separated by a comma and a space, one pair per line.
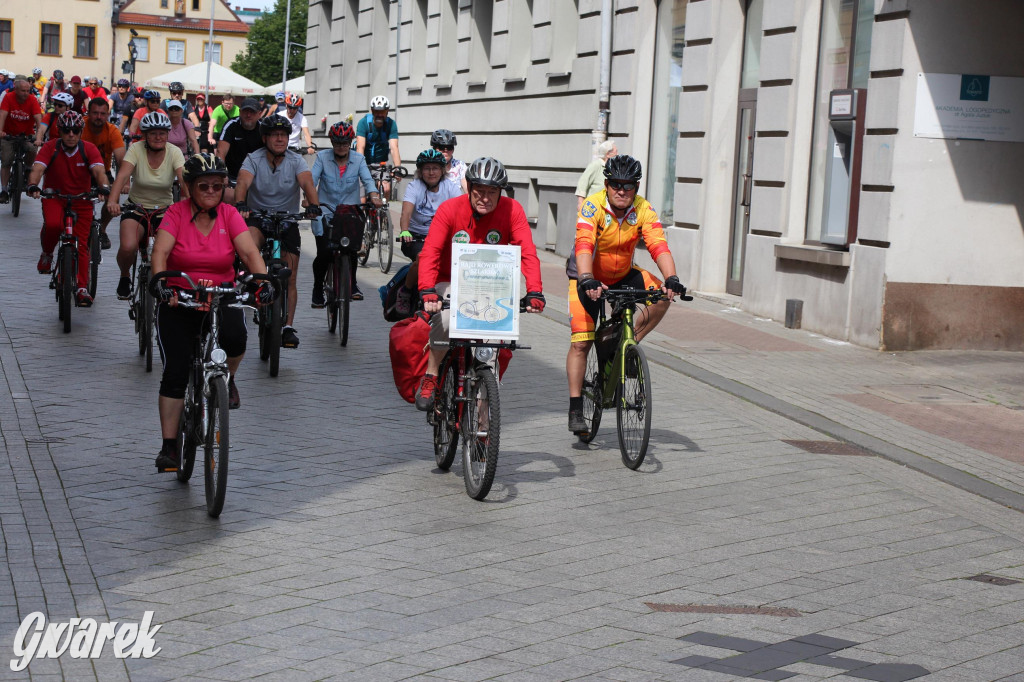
73, 129
211, 186
622, 186
444, 148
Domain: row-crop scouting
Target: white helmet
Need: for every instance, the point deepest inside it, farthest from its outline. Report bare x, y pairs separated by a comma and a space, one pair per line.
64, 98
155, 120
380, 102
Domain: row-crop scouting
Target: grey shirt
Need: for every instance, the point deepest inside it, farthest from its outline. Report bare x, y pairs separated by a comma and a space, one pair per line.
274, 189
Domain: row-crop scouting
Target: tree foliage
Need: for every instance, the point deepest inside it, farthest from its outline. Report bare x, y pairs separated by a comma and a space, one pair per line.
262, 59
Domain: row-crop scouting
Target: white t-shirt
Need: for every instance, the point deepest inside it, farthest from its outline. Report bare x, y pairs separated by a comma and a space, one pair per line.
425, 203
298, 123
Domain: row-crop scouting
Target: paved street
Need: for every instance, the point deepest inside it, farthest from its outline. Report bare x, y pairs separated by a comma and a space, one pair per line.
807, 510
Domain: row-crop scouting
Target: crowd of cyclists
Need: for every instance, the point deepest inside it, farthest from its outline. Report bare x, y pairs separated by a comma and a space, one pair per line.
230, 159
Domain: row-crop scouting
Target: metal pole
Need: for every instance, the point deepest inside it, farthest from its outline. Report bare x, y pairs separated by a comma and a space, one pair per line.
287, 32
600, 133
398, 54
209, 57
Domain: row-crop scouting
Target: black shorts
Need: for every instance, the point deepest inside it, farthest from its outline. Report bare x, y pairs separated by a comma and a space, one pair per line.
411, 250
131, 215
291, 241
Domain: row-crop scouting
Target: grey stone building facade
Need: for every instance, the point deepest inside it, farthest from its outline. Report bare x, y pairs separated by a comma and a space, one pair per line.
786, 144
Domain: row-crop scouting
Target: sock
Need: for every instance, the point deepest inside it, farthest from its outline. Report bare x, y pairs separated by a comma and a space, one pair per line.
576, 403
169, 445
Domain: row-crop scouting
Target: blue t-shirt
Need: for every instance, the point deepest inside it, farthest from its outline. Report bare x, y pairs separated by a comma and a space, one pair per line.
425, 203
376, 149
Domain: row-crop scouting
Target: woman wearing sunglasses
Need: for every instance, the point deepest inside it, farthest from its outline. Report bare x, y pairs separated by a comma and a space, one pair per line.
200, 237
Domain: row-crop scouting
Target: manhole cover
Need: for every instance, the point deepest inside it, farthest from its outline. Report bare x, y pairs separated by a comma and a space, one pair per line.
828, 447
922, 394
993, 579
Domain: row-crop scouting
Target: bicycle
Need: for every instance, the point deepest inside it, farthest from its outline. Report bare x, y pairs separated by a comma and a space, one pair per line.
617, 375
142, 307
467, 404
273, 224
489, 313
65, 272
19, 174
379, 231
205, 417
343, 239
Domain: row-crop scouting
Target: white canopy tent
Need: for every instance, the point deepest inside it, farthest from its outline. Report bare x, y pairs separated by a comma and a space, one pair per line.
222, 79
295, 85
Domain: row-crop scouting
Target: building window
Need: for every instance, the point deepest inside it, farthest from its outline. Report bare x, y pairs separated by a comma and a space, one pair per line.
480, 41
670, 32
163, 4
175, 51
195, 5
49, 39
6, 28
141, 49
565, 20
216, 52
85, 41
843, 55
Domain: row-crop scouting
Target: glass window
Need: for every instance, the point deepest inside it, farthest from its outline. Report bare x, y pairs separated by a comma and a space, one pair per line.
5, 35
751, 76
49, 39
85, 41
142, 49
668, 85
216, 52
843, 56
175, 51
163, 4
195, 5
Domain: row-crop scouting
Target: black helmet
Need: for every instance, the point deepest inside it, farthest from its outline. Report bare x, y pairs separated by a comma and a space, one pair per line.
275, 122
176, 87
123, 83
202, 164
487, 171
624, 168
443, 138
58, 75
430, 156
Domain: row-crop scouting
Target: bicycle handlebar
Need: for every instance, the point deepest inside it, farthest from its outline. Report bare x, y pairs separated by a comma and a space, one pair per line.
50, 193
199, 290
138, 208
651, 295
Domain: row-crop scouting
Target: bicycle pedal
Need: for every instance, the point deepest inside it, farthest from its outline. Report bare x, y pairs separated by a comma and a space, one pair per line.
166, 470
131, 313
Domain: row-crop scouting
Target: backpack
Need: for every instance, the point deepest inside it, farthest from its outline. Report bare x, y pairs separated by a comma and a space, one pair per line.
399, 303
408, 344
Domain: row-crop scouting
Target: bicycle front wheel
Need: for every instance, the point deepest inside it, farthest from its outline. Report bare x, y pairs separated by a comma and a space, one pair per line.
186, 442
445, 416
94, 257
633, 408
481, 431
67, 285
331, 296
385, 239
344, 270
273, 333
369, 231
17, 176
592, 395
215, 445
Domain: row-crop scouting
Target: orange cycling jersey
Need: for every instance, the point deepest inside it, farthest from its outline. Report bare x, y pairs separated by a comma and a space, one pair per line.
611, 241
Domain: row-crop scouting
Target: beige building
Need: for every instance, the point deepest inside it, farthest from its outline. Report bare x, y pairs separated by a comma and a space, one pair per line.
175, 33
72, 35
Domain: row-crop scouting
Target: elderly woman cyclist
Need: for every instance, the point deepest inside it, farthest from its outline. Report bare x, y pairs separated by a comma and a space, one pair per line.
199, 236
423, 195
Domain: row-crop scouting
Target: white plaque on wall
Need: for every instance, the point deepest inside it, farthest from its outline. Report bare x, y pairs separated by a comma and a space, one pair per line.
969, 106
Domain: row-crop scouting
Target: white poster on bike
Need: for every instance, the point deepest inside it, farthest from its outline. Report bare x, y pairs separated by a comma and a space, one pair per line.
485, 291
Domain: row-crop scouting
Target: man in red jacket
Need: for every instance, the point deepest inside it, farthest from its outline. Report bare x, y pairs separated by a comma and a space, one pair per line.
481, 217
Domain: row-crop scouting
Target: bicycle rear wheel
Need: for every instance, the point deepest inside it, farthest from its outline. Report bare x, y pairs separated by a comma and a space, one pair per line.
186, 442
344, 270
17, 176
94, 257
592, 395
273, 333
215, 446
481, 431
385, 239
331, 296
633, 408
369, 230
445, 415
66, 288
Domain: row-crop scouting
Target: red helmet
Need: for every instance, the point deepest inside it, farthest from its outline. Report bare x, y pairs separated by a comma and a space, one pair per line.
341, 131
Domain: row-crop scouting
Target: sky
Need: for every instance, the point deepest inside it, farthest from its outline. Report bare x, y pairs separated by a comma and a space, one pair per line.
261, 4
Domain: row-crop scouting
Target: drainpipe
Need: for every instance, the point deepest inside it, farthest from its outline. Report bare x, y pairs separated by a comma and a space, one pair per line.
398, 54
114, 15
600, 133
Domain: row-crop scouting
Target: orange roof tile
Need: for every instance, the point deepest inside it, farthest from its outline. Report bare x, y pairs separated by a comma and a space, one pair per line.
182, 23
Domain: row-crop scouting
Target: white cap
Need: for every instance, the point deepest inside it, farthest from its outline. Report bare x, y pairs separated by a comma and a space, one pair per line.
175, 103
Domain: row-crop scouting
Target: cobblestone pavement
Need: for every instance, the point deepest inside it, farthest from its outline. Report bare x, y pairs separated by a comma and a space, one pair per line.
343, 553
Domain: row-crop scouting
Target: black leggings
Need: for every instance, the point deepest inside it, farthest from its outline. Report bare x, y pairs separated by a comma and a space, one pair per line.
324, 257
177, 329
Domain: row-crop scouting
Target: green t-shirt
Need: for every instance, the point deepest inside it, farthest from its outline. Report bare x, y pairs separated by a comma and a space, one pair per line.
592, 179
220, 117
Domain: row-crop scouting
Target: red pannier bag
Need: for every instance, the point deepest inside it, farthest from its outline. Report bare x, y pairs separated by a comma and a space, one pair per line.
408, 344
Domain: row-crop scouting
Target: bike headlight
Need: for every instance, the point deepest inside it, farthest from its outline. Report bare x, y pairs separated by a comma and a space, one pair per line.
219, 356
344, 241
484, 354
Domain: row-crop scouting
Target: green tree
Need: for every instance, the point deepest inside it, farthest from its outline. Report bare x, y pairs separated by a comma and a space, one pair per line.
262, 59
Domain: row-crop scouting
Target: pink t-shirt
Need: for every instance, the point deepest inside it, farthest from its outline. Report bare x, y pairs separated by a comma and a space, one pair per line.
211, 257
178, 135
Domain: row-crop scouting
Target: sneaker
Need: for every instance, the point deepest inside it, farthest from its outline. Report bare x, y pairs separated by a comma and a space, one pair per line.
45, 264
577, 424
104, 241
167, 460
356, 294
425, 393
289, 337
124, 288
83, 299
5, 196
318, 299
234, 400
